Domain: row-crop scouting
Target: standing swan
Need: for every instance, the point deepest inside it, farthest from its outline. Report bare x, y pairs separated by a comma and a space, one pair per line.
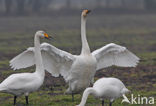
109, 88
25, 83
77, 70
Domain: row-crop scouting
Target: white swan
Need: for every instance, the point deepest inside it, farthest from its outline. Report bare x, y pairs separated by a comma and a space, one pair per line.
105, 88
25, 83
77, 70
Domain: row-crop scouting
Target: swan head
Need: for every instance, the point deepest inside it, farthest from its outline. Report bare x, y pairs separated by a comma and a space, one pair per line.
42, 34
85, 12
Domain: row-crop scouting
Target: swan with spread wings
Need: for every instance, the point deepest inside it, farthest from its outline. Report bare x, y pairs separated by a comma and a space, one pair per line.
77, 70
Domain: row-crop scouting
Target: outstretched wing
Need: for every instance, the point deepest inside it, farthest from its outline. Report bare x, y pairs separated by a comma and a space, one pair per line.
23, 60
55, 61
113, 54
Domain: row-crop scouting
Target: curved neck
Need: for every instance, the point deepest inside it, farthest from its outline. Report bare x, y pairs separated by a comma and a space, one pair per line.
86, 93
85, 47
38, 57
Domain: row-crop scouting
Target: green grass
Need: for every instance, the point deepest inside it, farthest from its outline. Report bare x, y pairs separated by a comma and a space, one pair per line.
43, 98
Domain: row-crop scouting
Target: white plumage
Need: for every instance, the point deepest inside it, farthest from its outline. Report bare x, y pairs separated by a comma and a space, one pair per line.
25, 83
22, 83
113, 54
78, 71
105, 88
55, 61
27, 56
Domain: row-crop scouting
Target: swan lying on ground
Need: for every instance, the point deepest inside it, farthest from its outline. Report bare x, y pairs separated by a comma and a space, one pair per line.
77, 70
25, 83
105, 88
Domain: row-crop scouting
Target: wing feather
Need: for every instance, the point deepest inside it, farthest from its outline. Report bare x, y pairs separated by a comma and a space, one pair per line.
55, 61
23, 60
113, 54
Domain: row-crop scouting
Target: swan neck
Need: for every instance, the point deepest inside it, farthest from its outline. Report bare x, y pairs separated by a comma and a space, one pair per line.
38, 57
86, 93
85, 46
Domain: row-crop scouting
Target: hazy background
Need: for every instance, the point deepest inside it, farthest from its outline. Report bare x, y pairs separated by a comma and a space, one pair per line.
130, 23
48, 7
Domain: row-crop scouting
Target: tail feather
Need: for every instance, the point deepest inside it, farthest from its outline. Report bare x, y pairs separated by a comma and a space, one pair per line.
125, 90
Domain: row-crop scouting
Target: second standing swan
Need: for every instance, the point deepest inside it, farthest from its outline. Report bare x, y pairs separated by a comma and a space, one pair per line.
25, 83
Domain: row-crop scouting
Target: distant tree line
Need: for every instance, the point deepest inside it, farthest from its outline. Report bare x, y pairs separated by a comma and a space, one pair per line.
150, 4
36, 6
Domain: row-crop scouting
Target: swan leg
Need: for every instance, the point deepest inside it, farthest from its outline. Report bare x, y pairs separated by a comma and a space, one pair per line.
15, 97
110, 104
26, 99
92, 81
72, 97
103, 102
70, 88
